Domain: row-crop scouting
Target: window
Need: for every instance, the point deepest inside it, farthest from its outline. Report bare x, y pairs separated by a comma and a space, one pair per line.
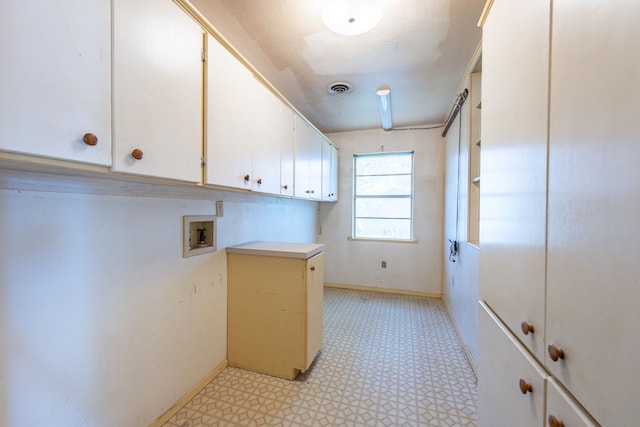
383, 196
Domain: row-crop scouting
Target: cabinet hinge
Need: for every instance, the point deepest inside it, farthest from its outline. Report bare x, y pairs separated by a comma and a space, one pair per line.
203, 161
204, 55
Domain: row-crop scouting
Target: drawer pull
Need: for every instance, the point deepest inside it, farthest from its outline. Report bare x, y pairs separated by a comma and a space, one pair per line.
525, 387
313, 268
247, 177
137, 154
526, 327
90, 139
554, 422
555, 352
259, 181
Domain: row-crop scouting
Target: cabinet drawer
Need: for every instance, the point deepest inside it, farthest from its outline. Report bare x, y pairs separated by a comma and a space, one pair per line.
511, 384
561, 407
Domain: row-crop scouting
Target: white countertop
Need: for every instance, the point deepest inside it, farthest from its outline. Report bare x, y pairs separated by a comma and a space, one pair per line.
278, 249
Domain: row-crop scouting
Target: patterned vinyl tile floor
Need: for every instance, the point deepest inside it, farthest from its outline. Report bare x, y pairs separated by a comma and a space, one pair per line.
386, 360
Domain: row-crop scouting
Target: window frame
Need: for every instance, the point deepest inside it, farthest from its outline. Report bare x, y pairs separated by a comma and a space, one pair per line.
356, 197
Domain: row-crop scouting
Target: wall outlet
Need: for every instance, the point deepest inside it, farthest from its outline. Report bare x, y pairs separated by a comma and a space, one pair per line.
219, 209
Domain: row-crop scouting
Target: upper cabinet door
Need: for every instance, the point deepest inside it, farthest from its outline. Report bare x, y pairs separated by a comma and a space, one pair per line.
157, 93
266, 124
56, 79
228, 97
594, 204
335, 173
303, 135
287, 152
244, 126
515, 68
329, 172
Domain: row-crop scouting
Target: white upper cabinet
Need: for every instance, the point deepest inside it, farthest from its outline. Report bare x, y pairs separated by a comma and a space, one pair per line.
287, 152
329, 171
515, 63
157, 90
56, 79
308, 158
243, 126
594, 204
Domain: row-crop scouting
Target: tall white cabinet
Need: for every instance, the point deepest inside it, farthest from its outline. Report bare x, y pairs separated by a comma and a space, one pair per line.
559, 209
55, 82
593, 276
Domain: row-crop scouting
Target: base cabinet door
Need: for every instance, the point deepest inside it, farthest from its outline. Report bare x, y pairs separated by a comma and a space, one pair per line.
511, 384
562, 410
55, 84
314, 300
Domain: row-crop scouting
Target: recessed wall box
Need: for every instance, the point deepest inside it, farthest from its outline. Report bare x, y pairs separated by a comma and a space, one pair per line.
199, 235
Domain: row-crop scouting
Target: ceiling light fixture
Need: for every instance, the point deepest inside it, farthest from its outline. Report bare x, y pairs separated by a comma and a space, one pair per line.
352, 17
384, 102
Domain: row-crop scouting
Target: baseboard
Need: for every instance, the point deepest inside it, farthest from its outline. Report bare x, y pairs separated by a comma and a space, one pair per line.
383, 290
169, 413
470, 358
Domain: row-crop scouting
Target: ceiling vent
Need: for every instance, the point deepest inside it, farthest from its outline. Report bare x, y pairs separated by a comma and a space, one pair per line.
339, 88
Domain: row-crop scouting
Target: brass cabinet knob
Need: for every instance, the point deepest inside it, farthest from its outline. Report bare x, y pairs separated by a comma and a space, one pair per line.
90, 139
247, 177
286, 187
259, 181
137, 154
554, 422
555, 352
526, 327
313, 268
525, 387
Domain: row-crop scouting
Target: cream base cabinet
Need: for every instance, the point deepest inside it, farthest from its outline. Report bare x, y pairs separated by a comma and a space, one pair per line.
275, 293
56, 79
511, 384
157, 90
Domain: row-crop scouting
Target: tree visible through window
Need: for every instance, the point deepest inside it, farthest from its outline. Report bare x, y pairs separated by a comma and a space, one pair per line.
383, 196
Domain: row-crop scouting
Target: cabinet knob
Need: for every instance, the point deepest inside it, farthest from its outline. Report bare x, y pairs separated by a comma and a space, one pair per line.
312, 192
554, 422
525, 387
286, 187
137, 154
313, 268
555, 352
259, 181
247, 177
90, 139
526, 327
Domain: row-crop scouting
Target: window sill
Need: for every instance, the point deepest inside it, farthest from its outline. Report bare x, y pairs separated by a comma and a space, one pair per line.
360, 239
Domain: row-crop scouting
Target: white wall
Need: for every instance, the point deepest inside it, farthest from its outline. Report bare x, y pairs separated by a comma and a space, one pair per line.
461, 284
410, 266
103, 323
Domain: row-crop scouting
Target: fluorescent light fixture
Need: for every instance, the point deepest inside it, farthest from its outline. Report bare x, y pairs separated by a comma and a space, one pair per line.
352, 17
384, 102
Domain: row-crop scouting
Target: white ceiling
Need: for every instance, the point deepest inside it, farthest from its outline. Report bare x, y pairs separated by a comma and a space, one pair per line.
420, 50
